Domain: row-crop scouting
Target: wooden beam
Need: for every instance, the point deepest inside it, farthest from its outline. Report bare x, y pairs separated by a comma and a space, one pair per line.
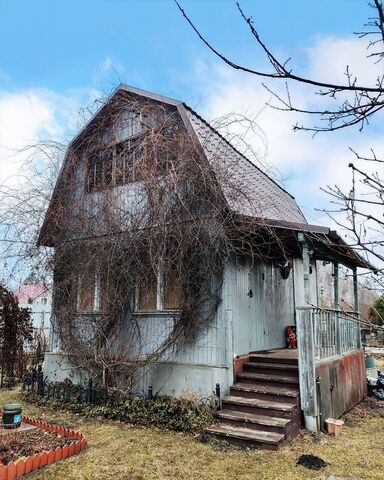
356, 290
307, 374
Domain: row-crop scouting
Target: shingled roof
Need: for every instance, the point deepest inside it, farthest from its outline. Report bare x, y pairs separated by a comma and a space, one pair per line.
261, 196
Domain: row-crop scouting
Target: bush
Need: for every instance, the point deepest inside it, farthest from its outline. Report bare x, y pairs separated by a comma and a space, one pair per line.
183, 414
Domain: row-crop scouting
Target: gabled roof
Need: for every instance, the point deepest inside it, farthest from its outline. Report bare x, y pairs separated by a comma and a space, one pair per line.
262, 196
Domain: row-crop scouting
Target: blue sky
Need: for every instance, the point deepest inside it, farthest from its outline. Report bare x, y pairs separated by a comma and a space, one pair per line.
62, 45
58, 56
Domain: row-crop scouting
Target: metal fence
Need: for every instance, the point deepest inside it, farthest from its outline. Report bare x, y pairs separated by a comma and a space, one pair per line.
68, 392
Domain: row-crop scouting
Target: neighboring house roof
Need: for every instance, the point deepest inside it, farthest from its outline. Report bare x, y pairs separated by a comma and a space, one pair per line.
31, 292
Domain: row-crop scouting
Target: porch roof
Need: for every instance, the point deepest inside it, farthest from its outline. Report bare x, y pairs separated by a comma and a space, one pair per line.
325, 244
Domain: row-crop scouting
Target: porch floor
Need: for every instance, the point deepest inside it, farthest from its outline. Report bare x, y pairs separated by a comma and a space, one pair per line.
277, 353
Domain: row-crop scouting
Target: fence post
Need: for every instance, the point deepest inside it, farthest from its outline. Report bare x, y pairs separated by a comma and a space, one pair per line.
40, 383
307, 376
150, 392
90, 391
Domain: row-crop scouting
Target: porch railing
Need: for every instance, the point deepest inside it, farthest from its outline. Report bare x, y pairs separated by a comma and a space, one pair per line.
322, 334
334, 332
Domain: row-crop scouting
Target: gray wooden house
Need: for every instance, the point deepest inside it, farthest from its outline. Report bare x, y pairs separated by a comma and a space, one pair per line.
267, 390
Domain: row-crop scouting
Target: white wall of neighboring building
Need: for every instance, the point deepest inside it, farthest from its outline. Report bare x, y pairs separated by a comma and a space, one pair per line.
40, 304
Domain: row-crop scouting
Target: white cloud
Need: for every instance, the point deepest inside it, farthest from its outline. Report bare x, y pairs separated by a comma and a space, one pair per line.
30, 116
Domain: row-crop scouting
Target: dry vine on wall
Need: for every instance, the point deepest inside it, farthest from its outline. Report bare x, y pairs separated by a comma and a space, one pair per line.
140, 224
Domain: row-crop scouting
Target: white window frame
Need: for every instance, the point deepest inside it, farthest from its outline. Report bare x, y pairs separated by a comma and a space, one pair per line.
96, 296
160, 307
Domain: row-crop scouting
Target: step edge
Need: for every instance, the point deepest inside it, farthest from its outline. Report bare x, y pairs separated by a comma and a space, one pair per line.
251, 435
276, 366
284, 407
276, 378
259, 389
234, 415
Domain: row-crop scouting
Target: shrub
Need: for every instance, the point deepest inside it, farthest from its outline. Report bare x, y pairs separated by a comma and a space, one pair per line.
183, 414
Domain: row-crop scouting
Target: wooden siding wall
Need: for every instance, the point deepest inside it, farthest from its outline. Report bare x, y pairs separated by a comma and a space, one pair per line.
264, 304
211, 348
208, 349
257, 306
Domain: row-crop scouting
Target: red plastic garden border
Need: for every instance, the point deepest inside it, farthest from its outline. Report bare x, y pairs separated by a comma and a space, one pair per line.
22, 467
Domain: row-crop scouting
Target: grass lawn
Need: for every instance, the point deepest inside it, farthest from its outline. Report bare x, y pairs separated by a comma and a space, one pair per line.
118, 451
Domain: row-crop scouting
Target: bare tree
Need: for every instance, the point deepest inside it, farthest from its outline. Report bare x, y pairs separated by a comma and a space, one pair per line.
355, 103
359, 211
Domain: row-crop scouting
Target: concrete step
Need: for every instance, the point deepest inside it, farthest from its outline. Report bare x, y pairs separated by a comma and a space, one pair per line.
253, 421
266, 378
259, 406
271, 368
267, 392
246, 436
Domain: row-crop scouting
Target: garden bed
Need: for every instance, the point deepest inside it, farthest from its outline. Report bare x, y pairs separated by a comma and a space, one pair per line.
16, 445
22, 452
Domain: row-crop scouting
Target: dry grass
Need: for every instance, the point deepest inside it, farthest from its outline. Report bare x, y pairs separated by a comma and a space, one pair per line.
118, 451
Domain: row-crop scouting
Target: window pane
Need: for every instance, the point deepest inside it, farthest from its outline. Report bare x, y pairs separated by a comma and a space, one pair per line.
86, 293
103, 293
173, 294
107, 161
147, 301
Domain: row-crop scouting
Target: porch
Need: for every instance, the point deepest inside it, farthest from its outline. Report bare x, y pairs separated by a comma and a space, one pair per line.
331, 364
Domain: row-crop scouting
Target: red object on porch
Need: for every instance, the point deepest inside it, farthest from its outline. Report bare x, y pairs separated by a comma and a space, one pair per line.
291, 337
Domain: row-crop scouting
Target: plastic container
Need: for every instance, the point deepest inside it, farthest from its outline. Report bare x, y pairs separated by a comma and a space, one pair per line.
12, 415
334, 426
370, 362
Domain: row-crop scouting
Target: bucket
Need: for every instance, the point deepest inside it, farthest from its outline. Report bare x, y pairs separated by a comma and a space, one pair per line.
12, 415
370, 362
334, 426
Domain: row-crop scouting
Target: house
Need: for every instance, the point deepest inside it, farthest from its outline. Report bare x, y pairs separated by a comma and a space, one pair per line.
180, 264
37, 298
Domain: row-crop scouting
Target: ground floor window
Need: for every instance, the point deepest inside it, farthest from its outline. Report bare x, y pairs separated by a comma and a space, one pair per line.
159, 292
91, 294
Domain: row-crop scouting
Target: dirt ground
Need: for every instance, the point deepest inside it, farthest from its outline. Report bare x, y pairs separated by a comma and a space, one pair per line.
121, 452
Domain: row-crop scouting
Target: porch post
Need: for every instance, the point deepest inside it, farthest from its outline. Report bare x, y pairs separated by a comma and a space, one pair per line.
357, 306
307, 373
305, 343
356, 290
336, 285
306, 265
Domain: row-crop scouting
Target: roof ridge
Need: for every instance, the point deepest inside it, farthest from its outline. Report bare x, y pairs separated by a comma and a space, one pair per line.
235, 149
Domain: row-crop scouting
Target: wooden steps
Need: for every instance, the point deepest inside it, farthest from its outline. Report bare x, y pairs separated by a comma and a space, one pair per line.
254, 421
266, 378
263, 408
241, 436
